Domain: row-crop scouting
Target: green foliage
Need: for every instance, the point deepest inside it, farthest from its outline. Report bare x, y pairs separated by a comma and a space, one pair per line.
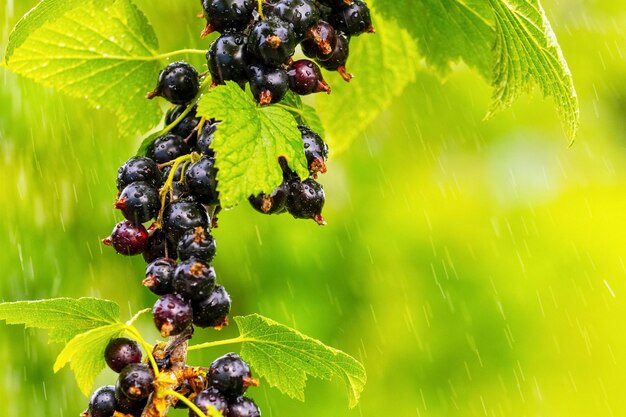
284, 357
248, 142
63, 318
100, 50
303, 113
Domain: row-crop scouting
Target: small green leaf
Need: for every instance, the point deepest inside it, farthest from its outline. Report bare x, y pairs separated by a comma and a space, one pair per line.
303, 113
64, 318
100, 50
248, 142
85, 354
284, 357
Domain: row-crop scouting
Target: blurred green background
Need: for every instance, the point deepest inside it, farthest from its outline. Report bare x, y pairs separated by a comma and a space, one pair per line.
476, 268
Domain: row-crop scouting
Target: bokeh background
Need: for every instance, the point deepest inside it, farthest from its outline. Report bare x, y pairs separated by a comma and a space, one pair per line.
476, 267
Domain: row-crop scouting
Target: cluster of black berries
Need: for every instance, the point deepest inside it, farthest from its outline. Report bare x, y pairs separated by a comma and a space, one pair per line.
221, 386
258, 47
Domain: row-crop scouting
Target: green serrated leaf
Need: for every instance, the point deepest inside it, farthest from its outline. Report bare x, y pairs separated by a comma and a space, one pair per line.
63, 318
85, 354
248, 142
526, 51
303, 113
284, 357
101, 50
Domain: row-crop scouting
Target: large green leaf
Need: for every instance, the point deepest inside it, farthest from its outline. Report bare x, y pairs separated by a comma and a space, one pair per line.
284, 357
101, 50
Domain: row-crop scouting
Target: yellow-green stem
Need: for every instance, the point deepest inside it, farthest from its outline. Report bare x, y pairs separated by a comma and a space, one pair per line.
132, 330
238, 339
211, 412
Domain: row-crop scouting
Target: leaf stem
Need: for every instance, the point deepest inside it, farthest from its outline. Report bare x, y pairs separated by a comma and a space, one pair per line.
146, 347
290, 109
211, 411
136, 316
178, 52
238, 339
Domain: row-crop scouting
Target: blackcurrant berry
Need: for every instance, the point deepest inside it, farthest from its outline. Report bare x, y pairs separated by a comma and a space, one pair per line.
181, 216
315, 150
171, 315
138, 168
128, 238
167, 148
302, 14
201, 180
184, 128
335, 3
194, 279
197, 243
135, 381
243, 407
339, 57
305, 77
178, 83
205, 139
268, 84
272, 41
320, 41
213, 310
160, 275
121, 352
139, 202
158, 247
270, 204
226, 58
209, 397
102, 402
230, 375
223, 15
353, 19
306, 200
128, 406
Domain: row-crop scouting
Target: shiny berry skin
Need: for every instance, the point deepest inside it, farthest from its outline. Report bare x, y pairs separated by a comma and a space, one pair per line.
353, 19
102, 402
205, 139
335, 3
168, 147
339, 57
135, 381
302, 14
230, 375
184, 128
213, 310
305, 77
270, 204
315, 150
158, 247
139, 202
197, 243
210, 397
138, 168
268, 84
223, 15
320, 40
160, 275
201, 180
181, 216
194, 279
306, 200
171, 315
226, 58
121, 352
272, 41
128, 238
178, 83
128, 406
243, 407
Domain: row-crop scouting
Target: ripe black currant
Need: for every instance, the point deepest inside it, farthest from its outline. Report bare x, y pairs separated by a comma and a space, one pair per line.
353, 19
226, 58
158, 247
315, 150
339, 57
230, 375
201, 180
128, 238
160, 275
335, 3
121, 352
184, 128
139, 202
270, 204
272, 41
243, 407
135, 381
197, 243
306, 200
102, 402
213, 310
320, 41
178, 83
127, 406
194, 279
205, 139
302, 14
171, 314
168, 147
137, 168
268, 84
181, 216
305, 77
223, 15
209, 397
